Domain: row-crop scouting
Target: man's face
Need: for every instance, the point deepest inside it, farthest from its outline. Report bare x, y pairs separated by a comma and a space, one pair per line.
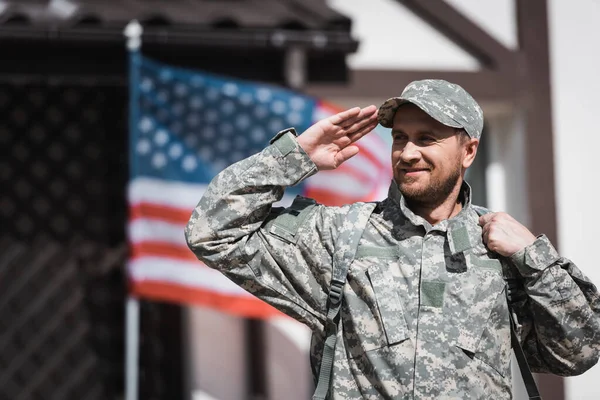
429, 158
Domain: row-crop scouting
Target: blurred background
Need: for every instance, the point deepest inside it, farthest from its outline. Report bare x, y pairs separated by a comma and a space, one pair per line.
73, 99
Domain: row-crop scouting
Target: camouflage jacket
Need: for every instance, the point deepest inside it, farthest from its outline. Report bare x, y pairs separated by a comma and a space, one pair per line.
424, 312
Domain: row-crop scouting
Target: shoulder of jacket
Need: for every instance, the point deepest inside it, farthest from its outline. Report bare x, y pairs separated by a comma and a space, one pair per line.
480, 210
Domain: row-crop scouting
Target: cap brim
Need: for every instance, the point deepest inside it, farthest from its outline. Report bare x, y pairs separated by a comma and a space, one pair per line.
385, 114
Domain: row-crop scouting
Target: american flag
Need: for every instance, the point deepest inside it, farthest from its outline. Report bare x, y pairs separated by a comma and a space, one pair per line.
186, 127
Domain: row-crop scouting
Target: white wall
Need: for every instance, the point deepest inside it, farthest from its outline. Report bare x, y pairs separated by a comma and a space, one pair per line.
575, 65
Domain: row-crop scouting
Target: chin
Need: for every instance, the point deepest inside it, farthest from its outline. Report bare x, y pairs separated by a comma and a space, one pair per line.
413, 191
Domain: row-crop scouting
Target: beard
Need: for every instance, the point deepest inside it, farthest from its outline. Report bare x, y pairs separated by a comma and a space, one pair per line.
433, 194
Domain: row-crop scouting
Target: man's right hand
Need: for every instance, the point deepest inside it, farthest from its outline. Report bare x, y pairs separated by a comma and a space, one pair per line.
329, 142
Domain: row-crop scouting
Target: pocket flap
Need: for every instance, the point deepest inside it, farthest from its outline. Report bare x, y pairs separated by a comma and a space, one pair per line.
388, 302
469, 300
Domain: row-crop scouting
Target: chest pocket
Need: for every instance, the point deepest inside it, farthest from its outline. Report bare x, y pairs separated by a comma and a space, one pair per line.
373, 315
469, 300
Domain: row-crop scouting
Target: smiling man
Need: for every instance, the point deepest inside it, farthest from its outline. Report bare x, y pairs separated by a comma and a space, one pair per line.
406, 297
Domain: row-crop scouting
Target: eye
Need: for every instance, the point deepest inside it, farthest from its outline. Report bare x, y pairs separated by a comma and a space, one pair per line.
427, 139
400, 138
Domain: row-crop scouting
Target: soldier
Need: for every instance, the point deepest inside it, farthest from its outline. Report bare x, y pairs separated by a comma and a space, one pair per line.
424, 313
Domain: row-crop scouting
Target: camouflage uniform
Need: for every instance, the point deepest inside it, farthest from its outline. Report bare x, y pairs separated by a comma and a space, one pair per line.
424, 312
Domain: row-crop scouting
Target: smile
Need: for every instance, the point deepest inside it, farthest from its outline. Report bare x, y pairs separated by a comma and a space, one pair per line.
414, 171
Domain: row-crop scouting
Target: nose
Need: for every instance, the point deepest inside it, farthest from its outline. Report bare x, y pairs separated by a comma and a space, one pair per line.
410, 153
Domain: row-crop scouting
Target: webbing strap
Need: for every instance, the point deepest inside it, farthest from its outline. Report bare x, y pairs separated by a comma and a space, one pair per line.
511, 296
358, 216
530, 385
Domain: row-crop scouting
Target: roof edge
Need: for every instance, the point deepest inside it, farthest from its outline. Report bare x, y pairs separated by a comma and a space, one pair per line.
315, 40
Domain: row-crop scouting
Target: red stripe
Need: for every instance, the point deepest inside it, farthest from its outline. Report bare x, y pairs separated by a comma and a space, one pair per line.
355, 172
159, 211
250, 307
364, 152
330, 198
161, 249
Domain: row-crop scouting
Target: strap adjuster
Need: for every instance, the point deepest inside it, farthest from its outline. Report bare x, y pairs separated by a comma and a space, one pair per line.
335, 291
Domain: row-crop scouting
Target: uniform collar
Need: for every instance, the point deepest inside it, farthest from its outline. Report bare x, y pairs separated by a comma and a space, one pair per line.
457, 227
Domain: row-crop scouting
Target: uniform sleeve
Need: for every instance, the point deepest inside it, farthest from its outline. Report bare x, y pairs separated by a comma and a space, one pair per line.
559, 314
282, 256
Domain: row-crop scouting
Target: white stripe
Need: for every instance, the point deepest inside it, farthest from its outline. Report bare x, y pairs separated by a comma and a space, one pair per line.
340, 182
364, 165
157, 230
377, 147
174, 194
146, 229
188, 274
180, 195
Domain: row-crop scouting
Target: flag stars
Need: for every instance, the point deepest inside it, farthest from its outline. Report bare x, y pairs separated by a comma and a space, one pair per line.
159, 160
161, 137
205, 153
211, 116
197, 81
212, 94
278, 107
230, 89
242, 122
226, 129
191, 140
260, 111
236, 156
147, 85
294, 118
176, 127
297, 103
208, 132
228, 107
181, 90
275, 125
162, 115
189, 163
196, 102
193, 120
263, 95
165, 75
143, 146
146, 125
258, 135
246, 98
162, 96
240, 142
178, 109
175, 151
219, 165
223, 145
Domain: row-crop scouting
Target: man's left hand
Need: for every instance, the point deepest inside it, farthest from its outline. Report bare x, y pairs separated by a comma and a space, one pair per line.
502, 234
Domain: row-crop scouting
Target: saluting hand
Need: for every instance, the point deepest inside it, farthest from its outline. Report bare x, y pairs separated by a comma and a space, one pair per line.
502, 234
329, 142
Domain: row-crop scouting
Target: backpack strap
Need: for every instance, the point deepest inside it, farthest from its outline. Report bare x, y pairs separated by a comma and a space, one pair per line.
511, 286
356, 220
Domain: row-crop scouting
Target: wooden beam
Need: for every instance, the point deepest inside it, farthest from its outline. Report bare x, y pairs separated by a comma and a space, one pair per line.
535, 100
483, 85
464, 32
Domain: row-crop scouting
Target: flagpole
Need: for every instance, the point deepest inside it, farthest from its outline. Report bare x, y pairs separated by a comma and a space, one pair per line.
133, 33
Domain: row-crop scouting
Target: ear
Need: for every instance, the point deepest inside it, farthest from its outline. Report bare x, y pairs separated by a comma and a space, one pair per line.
469, 152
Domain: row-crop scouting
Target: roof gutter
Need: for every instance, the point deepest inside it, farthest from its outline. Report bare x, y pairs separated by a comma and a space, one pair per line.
223, 38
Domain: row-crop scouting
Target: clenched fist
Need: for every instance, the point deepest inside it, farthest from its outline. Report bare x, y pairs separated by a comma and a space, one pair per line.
502, 234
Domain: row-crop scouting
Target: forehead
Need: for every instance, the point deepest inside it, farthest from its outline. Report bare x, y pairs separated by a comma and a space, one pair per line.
410, 115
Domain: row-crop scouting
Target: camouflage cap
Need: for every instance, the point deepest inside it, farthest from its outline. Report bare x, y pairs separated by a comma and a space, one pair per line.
445, 102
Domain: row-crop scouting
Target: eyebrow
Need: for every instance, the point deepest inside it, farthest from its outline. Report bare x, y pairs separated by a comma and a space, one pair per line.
423, 132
